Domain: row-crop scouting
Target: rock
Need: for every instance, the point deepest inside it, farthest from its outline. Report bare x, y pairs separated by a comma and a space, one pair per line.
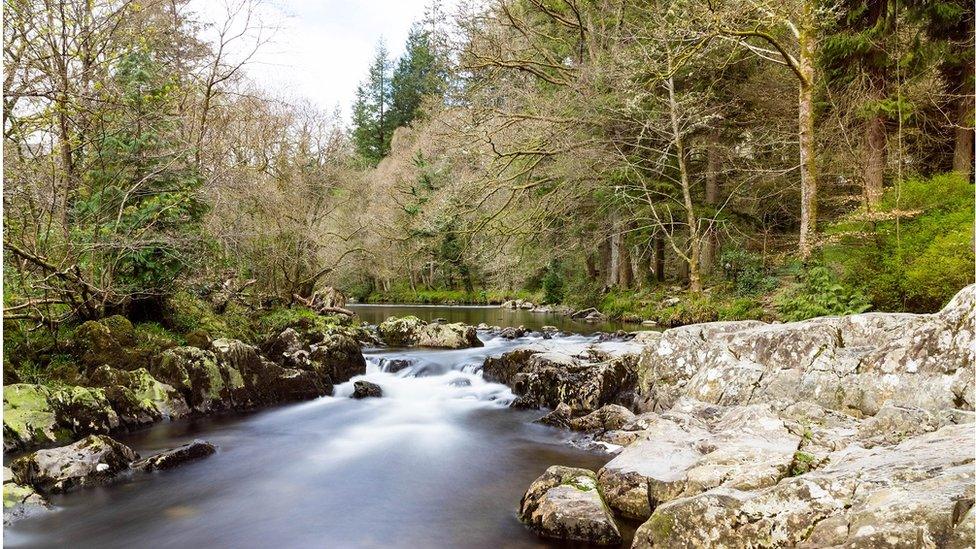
174, 457
564, 503
205, 385
918, 493
338, 358
283, 345
264, 382
583, 313
83, 410
595, 316
28, 419
512, 333
526, 305
20, 501
108, 341
366, 389
853, 364
543, 378
90, 461
560, 417
694, 448
510, 304
411, 331
649, 323
137, 397
606, 418
394, 365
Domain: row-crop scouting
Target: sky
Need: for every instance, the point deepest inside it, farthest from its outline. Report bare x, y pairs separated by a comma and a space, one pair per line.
321, 49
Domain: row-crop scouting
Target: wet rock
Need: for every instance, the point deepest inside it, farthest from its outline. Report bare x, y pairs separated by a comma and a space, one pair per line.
137, 397
283, 345
28, 419
917, 493
606, 418
264, 382
83, 410
90, 461
564, 503
366, 389
338, 358
410, 331
174, 457
503, 368
550, 378
512, 333
394, 365
20, 501
205, 384
560, 417
694, 448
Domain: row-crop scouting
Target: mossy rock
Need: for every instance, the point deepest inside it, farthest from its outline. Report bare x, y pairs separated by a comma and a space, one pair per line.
137, 396
400, 332
107, 341
83, 410
28, 418
195, 373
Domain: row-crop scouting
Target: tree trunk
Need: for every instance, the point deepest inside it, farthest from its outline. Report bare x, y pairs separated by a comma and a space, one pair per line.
962, 158
659, 258
626, 273
808, 163
592, 272
605, 261
874, 161
712, 169
694, 240
614, 271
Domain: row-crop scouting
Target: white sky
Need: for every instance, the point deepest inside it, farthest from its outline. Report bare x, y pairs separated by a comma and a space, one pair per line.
322, 49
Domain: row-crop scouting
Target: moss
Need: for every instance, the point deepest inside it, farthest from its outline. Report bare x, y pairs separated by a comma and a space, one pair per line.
84, 409
400, 331
661, 525
802, 463
582, 483
28, 418
15, 494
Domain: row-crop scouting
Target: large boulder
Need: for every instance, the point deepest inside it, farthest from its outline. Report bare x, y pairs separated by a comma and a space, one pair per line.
205, 384
918, 493
338, 358
694, 448
83, 410
110, 341
564, 503
410, 331
28, 418
265, 382
90, 461
137, 396
855, 364
174, 457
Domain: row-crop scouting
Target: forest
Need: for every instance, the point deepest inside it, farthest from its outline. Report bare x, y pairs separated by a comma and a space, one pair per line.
674, 162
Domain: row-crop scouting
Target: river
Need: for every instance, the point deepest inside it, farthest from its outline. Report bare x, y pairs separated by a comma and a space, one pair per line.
438, 461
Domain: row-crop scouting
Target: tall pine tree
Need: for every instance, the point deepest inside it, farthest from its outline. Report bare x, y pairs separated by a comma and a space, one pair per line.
419, 73
372, 125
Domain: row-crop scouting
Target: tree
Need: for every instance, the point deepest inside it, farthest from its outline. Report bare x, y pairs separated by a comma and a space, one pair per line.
372, 123
418, 74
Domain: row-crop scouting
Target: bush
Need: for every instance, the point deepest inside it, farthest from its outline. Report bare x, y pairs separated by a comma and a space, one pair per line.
553, 284
819, 293
915, 262
746, 272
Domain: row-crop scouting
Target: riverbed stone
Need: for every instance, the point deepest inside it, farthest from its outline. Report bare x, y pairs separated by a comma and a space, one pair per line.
90, 461
264, 382
410, 331
338, 358
83, 410
366, 389
174, 457
205, 384
28, 418
107, 341
916, 493
606, 418
564, 503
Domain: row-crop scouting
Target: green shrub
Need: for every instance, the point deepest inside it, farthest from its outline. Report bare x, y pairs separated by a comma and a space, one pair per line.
819, 293
553, 284
746, 272
918, 260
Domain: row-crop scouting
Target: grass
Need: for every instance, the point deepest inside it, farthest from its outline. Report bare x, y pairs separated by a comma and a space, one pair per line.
452, 297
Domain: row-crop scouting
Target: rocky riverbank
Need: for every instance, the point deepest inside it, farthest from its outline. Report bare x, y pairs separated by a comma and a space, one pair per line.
853, 431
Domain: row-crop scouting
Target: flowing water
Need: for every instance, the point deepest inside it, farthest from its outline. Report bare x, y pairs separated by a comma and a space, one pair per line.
438, 461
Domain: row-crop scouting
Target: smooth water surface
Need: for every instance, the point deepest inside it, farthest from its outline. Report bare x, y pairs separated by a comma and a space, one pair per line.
488, 314
438, 461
